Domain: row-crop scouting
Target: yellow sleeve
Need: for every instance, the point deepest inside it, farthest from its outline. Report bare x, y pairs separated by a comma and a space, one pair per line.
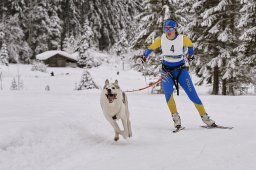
156, 44
187, 41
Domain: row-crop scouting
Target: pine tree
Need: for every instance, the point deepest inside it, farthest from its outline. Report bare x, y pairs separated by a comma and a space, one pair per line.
40, 32
217, 40
70, 44
87, 82
203, 40
122, 46
84, 44
39, 66
18, 49
14, 85
55, 29
109, 17
247, 42
46, 24
70, 16
4, 57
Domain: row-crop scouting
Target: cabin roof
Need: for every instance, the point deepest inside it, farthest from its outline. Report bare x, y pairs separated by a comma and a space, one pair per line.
48, 54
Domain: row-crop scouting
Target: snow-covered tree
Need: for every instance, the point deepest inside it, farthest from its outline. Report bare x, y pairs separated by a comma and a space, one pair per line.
17, 47
185, 15
55, 30
216, 40
86, 82
14, 85
46, 23
109, 17
122, 46
70, 44
4, 57
151, 21
40, 27
84, 44
39, 66
247, 42
69, 13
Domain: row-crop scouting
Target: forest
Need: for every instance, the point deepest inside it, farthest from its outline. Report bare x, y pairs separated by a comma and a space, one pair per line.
223, 33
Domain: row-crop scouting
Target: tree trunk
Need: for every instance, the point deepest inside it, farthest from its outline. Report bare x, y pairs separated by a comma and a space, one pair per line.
231, 89
224, 87
231, 86
215, 87
64, 16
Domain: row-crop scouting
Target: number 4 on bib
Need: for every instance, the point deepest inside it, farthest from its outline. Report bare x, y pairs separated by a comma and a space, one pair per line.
172, 48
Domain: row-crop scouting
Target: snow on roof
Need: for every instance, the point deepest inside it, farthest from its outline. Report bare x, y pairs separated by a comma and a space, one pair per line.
48, 54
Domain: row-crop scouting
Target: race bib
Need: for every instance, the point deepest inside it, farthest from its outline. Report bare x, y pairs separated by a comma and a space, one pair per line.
172, 50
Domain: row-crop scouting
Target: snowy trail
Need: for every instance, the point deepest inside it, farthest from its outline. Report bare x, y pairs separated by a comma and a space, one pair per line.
64, 130
61, 137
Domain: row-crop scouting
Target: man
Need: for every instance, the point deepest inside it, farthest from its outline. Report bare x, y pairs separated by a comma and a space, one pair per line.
173, 46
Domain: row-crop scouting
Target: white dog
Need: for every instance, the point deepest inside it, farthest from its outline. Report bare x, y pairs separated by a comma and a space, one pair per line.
115, 106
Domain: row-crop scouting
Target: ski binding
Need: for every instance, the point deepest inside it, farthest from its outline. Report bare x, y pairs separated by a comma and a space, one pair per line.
178, 129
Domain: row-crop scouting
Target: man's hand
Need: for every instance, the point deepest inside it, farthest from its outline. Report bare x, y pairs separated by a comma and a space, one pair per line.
190, 58
143, 59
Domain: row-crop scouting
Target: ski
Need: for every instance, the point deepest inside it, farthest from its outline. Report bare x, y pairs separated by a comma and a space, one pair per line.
178, 129
217, 127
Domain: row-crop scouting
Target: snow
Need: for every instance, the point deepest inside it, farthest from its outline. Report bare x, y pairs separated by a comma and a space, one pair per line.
48, 54
63, 129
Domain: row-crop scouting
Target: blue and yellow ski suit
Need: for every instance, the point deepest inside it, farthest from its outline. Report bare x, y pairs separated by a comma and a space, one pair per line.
184, 78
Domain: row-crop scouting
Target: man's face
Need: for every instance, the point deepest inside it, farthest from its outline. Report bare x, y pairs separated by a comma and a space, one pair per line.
170, 31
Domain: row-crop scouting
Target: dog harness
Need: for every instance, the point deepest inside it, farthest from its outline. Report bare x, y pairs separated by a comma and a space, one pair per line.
170, 72
124, 100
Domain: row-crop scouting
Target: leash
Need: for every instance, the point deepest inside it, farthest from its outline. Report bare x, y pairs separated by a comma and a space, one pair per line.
164, 76
152, 84
159, 80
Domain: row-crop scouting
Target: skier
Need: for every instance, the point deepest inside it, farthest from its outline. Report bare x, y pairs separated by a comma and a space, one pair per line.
173, 47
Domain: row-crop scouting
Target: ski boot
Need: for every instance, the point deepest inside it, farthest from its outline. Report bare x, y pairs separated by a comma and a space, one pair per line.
209, 122
176, 120
177, 123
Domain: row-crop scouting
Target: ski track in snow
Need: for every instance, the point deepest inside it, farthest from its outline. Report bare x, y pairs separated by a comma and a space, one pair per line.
66, 130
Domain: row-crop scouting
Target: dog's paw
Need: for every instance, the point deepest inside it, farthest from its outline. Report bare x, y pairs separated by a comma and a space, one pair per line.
116, 138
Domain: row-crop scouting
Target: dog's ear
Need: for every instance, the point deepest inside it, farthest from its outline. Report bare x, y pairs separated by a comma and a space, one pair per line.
107, 82
116, 82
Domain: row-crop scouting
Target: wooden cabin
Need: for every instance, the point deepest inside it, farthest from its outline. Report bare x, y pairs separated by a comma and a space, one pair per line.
57, 58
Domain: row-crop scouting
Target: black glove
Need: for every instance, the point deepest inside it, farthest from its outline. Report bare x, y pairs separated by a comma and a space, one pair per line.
190, 58
143, 59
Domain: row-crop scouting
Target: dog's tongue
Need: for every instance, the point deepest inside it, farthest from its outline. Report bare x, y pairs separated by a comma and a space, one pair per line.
111, 97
